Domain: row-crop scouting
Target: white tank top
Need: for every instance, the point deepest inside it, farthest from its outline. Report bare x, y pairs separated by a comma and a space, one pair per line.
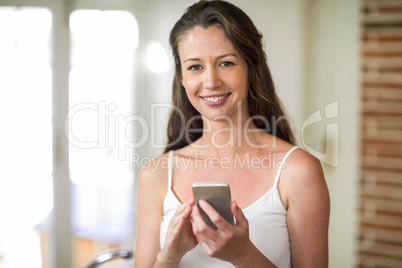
267, 226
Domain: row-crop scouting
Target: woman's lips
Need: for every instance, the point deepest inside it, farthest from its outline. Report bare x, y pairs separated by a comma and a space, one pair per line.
215, 100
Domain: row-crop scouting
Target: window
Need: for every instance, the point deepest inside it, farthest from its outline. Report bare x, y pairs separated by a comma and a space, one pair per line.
26, 136
101, 98
101, 87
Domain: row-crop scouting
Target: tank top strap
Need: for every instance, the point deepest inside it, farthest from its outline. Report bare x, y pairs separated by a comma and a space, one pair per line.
170, 169
278, 173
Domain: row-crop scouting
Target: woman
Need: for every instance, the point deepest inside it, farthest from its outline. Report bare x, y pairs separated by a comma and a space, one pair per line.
228, 126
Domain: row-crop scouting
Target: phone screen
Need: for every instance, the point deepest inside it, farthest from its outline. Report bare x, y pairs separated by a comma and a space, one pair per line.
218, 196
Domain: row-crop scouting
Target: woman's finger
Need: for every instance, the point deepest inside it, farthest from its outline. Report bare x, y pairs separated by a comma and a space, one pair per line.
177, 224
198, 222
214, 216
182, 207
182, 212
201, 230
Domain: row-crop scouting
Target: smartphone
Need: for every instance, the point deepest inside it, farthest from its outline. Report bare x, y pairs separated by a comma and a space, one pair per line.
218, 196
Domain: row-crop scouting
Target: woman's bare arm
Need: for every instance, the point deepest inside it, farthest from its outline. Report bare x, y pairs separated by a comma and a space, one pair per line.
152, 188
150, 193
307, 200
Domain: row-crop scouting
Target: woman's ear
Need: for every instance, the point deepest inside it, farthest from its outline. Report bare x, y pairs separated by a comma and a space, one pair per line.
178, 70
181, 79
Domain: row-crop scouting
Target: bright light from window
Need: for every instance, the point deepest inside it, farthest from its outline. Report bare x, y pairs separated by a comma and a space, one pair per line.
26, 136
157, 60
101, 95
101, 82
103, 37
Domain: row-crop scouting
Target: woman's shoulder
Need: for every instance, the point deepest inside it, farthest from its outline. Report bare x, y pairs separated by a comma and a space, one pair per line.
302, 176
299, 163
298, 159
302, 163
154, 174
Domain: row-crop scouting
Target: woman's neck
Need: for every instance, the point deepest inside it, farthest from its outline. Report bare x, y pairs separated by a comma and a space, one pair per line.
229, 136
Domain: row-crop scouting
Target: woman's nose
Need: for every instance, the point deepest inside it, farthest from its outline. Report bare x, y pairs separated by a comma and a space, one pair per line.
211, 79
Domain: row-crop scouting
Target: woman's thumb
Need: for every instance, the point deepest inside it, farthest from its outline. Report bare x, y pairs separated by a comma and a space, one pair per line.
241, 220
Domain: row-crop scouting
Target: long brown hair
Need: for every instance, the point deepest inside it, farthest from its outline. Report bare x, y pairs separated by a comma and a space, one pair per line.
185, 124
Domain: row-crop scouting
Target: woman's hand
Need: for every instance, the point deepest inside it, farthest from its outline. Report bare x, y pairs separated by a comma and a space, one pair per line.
229, 242
179, 237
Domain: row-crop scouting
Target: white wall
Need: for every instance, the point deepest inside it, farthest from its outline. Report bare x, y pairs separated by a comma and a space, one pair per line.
332, 62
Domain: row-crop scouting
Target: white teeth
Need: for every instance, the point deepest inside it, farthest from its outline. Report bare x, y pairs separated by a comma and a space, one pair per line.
216, 99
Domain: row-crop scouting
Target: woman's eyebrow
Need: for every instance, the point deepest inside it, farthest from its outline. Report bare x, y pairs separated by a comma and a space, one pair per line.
226, 55
219, 57
191, 59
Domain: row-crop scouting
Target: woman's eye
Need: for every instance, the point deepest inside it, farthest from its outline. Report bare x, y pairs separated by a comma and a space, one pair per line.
195, 67
226, 64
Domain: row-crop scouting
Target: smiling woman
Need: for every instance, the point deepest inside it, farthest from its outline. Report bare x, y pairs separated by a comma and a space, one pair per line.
244, 41
224, 93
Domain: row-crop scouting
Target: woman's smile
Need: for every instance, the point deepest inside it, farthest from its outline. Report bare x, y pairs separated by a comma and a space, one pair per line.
215, 100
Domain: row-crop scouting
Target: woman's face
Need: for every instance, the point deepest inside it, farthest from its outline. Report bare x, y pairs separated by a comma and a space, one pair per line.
214, 74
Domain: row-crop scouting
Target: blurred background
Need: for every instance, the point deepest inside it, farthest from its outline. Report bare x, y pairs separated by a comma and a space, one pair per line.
85, 93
